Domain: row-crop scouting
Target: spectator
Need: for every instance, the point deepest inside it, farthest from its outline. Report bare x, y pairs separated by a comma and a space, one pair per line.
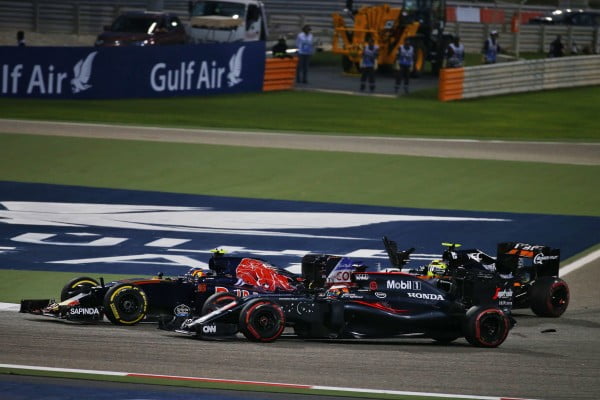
21, 39
491, 48
404, 64
279, 50
368, 65
304, 43
455, 54
350, 8
574, 49
556, 48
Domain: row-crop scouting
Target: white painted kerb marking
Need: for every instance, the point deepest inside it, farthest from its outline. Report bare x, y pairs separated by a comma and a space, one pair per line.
307, 387
575, 265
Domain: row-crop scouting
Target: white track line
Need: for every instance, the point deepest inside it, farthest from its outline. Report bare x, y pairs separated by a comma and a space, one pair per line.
9, 307
238, 383
581, 262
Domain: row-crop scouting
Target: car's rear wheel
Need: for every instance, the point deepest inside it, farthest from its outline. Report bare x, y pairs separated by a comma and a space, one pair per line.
77, 285
125, 304
549, 297
486, 326
262, 321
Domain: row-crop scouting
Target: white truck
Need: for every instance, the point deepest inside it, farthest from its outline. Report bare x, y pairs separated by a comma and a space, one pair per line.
224, 21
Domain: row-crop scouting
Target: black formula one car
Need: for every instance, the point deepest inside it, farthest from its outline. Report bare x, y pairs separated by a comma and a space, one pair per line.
129, 301
373, 304
531, 270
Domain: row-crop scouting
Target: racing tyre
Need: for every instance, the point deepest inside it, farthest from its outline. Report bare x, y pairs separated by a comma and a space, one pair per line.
549, 297
486, 326
125, 304
262, 321
217, 301
76, 286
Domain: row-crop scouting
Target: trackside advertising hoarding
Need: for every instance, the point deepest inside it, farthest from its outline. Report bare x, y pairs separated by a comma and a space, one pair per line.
126, 72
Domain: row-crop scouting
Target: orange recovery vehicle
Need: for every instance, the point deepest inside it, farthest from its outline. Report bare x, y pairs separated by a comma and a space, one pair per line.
421, 22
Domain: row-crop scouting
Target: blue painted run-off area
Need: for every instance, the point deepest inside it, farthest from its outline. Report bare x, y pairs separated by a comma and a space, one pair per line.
76, 229
39, 388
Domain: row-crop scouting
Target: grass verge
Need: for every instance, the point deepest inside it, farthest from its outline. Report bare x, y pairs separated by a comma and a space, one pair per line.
387, 180
568, 114
17, 285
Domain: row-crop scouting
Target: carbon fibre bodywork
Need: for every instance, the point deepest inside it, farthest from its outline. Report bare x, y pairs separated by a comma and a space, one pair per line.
532, 270
129, 301
372, 305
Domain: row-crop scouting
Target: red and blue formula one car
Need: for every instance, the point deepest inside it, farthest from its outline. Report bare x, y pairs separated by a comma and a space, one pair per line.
372, 304
129, 301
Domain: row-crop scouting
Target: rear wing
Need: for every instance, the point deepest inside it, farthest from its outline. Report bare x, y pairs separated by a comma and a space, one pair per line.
543, 260
397, 258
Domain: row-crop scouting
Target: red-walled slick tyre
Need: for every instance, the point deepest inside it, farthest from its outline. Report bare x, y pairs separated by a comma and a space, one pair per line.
549, 297
262, 321
486, 326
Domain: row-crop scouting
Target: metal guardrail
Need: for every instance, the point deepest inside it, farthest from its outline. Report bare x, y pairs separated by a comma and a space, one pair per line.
520, 76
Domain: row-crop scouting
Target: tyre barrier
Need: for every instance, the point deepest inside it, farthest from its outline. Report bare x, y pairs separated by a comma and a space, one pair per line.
280, 73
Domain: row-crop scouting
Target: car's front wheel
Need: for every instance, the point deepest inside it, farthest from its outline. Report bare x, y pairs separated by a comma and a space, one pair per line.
262, 321
125, 304
76, 286
216, 301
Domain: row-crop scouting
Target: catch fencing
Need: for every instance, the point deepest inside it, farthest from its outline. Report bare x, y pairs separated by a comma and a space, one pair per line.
285, 18
520, 76
530, 38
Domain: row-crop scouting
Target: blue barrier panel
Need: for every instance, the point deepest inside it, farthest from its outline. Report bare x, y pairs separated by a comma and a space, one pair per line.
125, 72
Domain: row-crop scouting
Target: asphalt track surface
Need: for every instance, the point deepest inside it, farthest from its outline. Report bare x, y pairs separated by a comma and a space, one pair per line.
542, 358
547, 152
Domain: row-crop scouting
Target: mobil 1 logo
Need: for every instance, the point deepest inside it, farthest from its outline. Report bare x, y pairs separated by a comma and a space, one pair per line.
403, 285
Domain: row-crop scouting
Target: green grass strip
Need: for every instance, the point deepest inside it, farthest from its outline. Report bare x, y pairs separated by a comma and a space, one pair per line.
568, 114
17, 285
386, 180
214, 385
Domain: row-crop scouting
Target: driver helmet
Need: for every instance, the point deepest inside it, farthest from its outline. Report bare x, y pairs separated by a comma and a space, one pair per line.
195, 273
336, 291
436, 269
